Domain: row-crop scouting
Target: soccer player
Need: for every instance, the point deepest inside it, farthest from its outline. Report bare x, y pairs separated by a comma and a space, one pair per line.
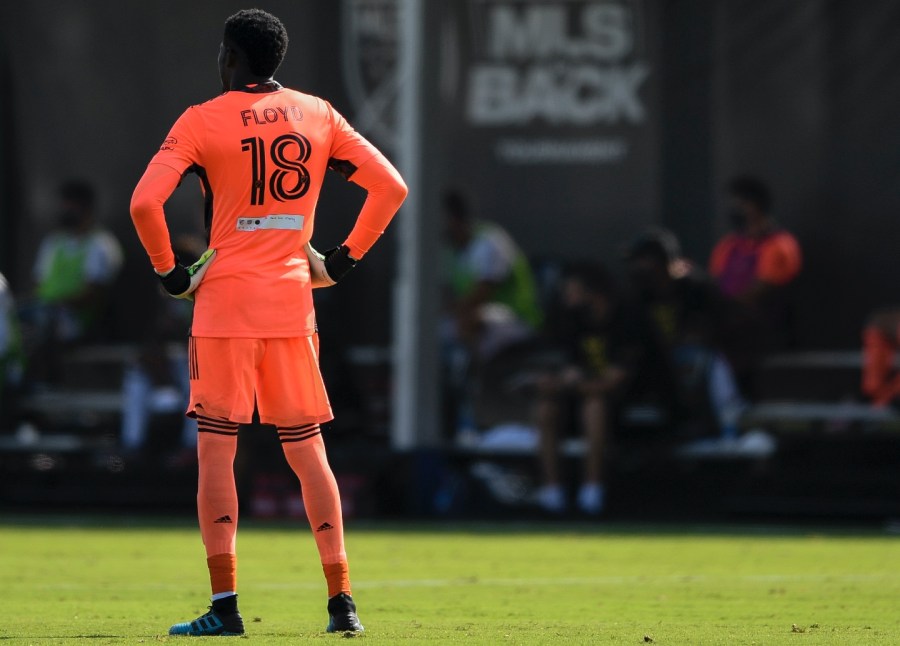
260, 151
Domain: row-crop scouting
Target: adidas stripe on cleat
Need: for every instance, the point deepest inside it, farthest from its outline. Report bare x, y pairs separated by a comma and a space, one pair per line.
213, 623
342, 615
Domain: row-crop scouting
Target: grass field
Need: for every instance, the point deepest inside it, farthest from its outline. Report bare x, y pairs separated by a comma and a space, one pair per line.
65, 581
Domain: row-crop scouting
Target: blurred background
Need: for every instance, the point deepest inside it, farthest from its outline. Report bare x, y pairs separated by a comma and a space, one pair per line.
697, 199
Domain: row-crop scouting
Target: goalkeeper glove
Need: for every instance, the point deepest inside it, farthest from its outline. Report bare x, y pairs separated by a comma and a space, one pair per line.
181, 281
339, 262
318, 277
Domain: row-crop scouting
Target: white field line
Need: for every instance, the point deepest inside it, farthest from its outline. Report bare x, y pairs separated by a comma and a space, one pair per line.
473, 581
601, 580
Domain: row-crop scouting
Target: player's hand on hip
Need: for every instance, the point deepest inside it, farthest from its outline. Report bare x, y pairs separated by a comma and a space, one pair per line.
318, 277
339, 262
181, 281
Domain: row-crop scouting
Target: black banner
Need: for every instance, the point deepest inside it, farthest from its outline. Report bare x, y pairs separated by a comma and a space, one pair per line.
550, 118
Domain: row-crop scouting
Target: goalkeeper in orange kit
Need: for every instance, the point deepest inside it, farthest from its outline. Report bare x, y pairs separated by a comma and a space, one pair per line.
261, 152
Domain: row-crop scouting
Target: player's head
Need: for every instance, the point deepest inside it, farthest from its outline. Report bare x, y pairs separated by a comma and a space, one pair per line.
253, 45
750, 200
457, 218
77, 200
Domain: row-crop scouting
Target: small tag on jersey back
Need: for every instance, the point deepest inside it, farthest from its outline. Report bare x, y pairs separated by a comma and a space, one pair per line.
280, 222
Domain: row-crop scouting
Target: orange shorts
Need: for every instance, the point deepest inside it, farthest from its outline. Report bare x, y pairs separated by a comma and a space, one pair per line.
280, 375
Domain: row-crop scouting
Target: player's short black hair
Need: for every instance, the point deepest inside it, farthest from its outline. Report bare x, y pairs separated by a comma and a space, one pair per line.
261, 36
751, 189
78, 192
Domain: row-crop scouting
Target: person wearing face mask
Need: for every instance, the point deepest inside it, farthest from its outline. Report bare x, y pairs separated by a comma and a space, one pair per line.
75, 267
755, 262
754, 267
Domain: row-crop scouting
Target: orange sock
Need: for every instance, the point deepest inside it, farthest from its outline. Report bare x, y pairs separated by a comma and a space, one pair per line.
338, 577
222, 572
305, 452
217, 502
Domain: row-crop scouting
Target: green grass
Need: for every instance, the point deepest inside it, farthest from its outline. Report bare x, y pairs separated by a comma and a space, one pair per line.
108, 582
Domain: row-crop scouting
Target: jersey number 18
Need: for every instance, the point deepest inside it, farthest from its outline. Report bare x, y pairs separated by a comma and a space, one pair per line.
290, 179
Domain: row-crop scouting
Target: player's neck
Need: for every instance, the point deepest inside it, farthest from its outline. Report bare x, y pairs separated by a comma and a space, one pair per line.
241, 81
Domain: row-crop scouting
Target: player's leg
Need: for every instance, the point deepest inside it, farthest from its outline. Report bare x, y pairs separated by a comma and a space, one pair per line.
217, 510
305, 452
221, 396
291, 395
217, 502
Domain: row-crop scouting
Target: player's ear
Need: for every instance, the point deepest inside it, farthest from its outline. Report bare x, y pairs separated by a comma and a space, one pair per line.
231, 56
227, 57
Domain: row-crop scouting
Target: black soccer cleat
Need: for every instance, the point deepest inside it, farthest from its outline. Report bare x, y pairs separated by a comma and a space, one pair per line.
342, 615
223, 620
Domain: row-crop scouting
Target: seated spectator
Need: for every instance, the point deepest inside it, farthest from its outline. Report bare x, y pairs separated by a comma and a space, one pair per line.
686, 310
610, 348
490, 298
755, 265
491, 293
74, 271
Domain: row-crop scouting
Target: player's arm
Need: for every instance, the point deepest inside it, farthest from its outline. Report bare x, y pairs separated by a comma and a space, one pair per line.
149, 217
359, 161
155, 187
178, 154
386, 191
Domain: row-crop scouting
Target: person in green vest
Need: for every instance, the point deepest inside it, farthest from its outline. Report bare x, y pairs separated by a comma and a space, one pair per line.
490, 295
492, 291
73, 274
76, 264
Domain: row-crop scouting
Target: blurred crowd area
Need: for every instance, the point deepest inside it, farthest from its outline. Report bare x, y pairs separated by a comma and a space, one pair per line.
583, 356
572, 367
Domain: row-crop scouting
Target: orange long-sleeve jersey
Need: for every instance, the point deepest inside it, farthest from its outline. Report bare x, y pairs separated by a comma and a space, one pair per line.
261, 158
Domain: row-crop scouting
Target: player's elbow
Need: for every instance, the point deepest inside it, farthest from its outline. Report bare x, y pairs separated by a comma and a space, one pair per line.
145, 206
140, 207
391, 187
398, 191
